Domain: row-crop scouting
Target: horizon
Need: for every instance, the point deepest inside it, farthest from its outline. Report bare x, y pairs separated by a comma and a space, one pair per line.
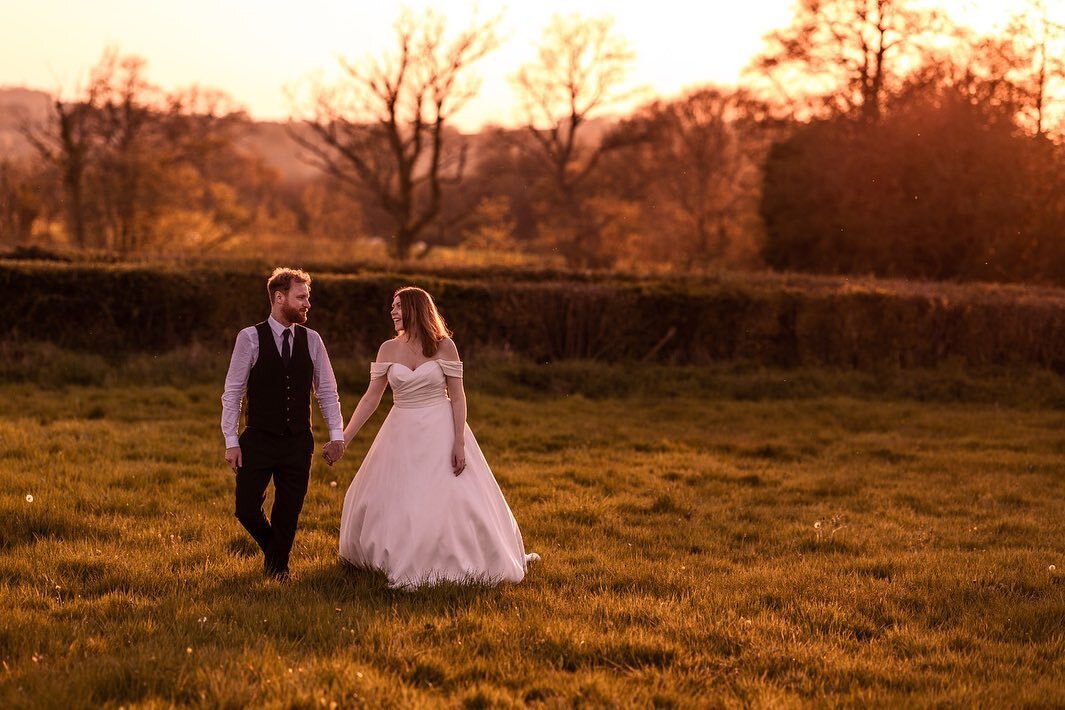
256, 57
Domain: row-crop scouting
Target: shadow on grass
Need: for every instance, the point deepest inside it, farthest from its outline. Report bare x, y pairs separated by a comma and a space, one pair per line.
243, 546
345, 582
26, 527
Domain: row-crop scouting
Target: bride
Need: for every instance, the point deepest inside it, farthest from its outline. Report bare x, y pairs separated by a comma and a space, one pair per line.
424, 506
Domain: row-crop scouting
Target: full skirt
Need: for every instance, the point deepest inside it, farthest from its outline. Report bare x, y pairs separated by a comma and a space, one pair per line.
408, 515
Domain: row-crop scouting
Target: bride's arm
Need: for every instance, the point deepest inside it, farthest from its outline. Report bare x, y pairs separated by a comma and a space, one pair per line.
457, 394
371, 399
366, 407
458, 406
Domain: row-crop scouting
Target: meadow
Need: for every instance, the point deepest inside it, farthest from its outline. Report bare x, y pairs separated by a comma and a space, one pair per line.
714, 536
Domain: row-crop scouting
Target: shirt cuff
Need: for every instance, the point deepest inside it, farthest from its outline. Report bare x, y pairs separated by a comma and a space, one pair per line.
232, 441
336, 434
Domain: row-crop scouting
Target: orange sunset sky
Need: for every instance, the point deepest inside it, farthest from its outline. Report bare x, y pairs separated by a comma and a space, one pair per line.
253, 50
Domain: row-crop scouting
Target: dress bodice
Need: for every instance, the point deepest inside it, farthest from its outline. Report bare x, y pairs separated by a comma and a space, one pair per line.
420, 387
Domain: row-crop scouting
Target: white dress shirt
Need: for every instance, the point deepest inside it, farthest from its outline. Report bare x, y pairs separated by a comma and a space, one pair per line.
246, 353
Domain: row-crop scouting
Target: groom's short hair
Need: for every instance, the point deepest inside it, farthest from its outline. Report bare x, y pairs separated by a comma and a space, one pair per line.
282, 280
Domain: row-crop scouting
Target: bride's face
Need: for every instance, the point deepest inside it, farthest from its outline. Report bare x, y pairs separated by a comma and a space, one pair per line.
397, 314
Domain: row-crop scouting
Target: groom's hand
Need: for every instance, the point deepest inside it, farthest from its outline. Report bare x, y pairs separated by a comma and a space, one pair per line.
233, 458
333, 451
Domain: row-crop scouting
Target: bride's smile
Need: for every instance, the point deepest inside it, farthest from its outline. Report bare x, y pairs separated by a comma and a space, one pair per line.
397, 314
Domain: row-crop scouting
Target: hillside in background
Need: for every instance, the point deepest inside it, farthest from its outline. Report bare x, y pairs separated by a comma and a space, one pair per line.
268, 139
17, 108
271, 141
20, 106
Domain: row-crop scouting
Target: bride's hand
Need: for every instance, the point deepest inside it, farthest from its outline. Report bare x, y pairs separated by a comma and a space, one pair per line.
458, 457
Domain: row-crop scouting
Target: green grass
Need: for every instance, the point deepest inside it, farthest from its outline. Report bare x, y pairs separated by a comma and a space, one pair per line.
676, 510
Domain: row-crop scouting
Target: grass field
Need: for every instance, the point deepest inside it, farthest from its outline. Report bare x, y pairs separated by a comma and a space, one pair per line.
723, 536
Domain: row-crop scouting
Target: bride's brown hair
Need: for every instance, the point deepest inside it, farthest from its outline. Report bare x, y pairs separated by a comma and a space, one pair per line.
421, 319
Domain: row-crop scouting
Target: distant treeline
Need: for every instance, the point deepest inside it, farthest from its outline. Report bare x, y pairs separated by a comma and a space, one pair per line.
778, 320
927, 152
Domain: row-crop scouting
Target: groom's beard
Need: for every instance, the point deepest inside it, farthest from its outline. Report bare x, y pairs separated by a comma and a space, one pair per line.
294, 315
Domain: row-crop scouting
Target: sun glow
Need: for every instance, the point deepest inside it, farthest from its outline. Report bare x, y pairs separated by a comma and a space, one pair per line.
253, 51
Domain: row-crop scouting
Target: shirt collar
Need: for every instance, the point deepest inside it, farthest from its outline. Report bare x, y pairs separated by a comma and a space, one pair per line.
279, 329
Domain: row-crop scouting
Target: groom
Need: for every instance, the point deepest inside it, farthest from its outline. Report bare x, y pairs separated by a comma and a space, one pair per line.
277, 363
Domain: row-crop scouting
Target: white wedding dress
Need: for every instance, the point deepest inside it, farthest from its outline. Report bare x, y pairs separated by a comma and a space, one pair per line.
407, 514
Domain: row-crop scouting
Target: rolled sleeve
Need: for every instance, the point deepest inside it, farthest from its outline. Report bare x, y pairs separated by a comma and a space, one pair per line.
325, 387
245, 351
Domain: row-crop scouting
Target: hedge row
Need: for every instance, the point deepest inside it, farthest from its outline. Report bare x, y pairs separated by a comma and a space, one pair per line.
762, 318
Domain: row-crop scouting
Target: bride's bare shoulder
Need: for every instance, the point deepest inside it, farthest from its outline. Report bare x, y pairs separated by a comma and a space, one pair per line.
386, 352
448, 350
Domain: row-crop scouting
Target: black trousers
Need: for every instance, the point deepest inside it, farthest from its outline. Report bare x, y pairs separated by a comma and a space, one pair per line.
287, 460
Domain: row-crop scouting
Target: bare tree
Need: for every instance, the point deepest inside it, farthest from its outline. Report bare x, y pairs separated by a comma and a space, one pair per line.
1015, 74
383, 129
139, 168
98, 142
129, 161
1039, 42
579, 71
66, 145
845, 54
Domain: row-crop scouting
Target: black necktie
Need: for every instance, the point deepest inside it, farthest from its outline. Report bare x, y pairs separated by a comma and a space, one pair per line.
286, 352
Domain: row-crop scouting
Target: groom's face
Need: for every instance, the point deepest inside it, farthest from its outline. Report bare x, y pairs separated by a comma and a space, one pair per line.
295, 303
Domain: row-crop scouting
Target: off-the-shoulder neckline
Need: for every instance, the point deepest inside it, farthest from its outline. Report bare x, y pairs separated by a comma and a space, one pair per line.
414, 369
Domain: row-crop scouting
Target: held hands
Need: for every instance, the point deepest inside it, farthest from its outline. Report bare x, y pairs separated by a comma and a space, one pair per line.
233, 458
458, 457
333, 451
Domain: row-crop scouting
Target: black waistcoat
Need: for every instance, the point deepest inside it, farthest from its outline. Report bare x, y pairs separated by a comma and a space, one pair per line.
279, 397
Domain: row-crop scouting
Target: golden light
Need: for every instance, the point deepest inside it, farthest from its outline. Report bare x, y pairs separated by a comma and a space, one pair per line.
252, 50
